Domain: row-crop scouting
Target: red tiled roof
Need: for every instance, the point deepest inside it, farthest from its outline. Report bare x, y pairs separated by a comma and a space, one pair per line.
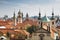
8, 24
24, 32
31, 22
2, 23
25, 22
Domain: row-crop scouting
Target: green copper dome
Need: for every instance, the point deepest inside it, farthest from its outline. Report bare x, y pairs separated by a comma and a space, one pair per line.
45, 19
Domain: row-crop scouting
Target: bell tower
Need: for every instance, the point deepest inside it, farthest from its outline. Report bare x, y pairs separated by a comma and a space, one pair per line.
52, 19
39, 20
19, 17
27, 16
14, 19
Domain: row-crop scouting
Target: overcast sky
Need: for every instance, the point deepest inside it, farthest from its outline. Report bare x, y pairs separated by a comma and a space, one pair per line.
32, 7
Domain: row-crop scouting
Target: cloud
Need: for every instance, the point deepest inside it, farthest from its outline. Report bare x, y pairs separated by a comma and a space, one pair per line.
30, 6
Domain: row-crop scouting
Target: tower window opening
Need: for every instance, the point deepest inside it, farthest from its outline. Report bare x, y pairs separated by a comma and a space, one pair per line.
52, 22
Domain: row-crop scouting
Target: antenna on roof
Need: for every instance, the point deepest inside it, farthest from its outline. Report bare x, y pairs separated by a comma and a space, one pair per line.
39, 9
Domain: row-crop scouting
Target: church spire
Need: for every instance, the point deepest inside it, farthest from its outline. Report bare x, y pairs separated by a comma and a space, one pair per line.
22, 15
52, 14
19, 12
58, 17
14, 18
14, 15
27, 16
19, 17
39, 18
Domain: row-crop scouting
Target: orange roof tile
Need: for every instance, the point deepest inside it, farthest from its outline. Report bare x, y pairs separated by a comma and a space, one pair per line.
31, 22
26, 22
8, 24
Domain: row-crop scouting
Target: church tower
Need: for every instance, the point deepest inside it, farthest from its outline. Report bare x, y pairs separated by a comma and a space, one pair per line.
22, 16
19, 17
27, 16
39, 20
14, 19
52, 19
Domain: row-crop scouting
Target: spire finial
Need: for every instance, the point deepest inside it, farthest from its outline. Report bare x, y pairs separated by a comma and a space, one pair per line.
19, 12
22, 15
52, 11
14, 14
27, 15
58, 16
39, 15
39, 10
14, 11
52, 14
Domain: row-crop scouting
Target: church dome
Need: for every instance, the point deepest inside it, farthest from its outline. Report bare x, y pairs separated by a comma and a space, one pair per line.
45, 19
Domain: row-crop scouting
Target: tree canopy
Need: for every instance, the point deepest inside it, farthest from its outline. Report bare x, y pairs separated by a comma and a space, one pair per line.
31, 29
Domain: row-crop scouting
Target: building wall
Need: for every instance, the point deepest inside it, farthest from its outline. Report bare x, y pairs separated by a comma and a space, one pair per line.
55, 35
52, 34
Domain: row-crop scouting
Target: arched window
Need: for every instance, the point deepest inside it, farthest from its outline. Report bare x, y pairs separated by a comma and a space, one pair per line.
39, 22
53, 23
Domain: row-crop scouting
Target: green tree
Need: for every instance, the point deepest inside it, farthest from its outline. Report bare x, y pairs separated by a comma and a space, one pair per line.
8, 34
1, 33
31, 29
5, 17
